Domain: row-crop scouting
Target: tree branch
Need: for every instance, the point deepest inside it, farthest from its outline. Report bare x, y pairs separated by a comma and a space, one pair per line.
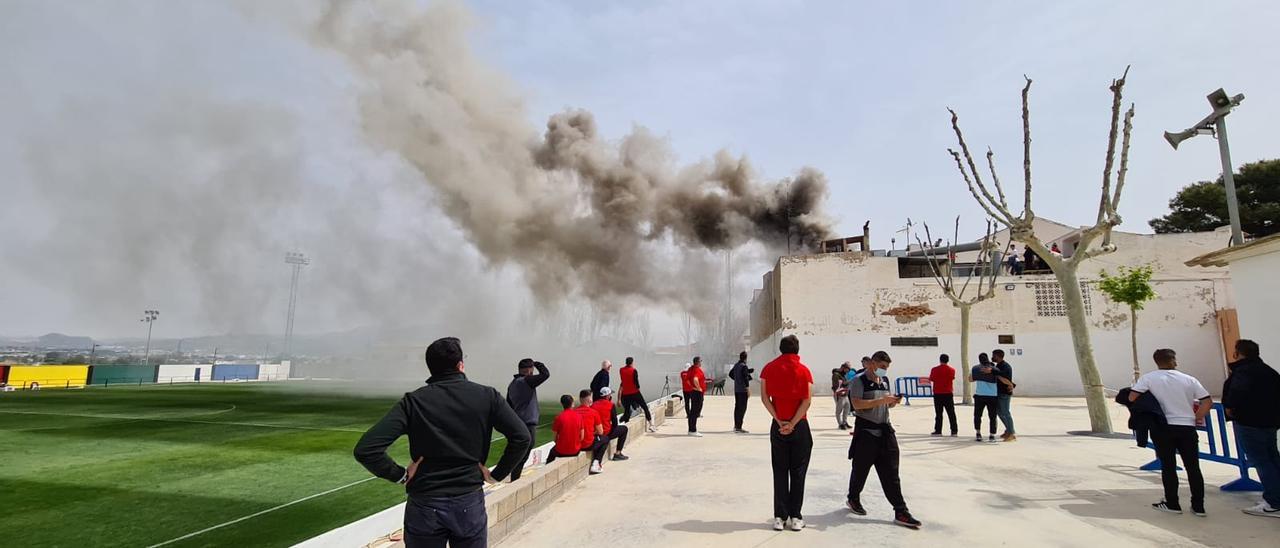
1124, 162
991, 164
968, 278
1027, 215
1005, 219
1117, 91
973, 167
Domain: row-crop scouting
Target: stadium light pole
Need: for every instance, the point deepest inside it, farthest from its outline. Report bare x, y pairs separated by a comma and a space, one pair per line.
148, 316
1216, 124
297, 261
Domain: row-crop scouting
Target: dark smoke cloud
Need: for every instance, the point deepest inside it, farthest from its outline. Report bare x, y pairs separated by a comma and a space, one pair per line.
579, 214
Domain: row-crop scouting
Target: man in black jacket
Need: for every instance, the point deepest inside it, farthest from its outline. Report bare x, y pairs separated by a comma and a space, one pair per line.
522, 396
450, 424
1251, 397
741, 375
601, 379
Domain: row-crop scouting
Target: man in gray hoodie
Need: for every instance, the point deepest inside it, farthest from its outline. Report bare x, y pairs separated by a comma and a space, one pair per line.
522, 396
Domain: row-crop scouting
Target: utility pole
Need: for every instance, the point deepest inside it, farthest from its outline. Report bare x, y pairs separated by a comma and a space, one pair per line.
148, 316
297, 261
1216, 124
93, 351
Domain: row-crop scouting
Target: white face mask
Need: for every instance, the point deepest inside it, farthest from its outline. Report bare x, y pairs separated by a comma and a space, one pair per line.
882, 372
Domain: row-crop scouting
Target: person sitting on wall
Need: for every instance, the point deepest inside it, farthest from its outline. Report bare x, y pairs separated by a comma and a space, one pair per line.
609, 420
568, 429
595, 442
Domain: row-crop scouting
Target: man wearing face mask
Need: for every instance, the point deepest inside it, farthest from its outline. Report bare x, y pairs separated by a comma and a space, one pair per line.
874, 442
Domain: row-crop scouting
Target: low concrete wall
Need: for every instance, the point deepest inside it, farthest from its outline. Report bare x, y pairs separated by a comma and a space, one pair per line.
508, 505
513, 504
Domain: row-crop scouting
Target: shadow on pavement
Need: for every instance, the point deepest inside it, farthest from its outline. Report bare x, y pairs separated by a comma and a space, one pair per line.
716, 527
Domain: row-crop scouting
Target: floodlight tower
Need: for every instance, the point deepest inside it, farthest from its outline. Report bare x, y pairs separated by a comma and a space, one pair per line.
297, 261
148, 316
1216, 124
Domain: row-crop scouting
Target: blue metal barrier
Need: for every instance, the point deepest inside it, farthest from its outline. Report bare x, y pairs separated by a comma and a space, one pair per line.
1220, 450
910, 387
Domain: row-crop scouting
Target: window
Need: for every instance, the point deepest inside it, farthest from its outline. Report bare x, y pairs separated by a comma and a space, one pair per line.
1049, 302
913, 341
1005, 339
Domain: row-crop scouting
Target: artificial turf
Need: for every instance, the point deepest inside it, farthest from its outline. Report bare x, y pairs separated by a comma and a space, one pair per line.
138, 466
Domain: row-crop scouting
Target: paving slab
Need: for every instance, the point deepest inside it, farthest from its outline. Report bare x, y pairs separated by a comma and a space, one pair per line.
1048, 488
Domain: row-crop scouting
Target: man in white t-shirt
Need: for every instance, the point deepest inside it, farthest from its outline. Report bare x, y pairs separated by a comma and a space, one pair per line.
1177, 393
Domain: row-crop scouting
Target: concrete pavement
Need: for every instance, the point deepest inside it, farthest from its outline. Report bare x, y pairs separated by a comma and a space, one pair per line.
1049, 488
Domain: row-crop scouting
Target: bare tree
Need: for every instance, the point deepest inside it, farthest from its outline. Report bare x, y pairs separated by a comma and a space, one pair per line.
1094, 240
987, 269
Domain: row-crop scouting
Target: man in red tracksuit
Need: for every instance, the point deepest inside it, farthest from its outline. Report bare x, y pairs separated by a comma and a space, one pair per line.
569, 431
943, 379
685, 386
594, 441
697, 389
609, 419
631, 396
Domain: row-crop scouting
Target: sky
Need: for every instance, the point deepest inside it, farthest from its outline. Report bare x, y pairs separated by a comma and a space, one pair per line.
164, 155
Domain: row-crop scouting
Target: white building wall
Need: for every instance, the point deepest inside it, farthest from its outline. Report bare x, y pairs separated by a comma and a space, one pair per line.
836, 304
1255, 277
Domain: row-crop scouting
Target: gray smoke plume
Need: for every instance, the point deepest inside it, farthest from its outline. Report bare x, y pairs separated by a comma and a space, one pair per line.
577, 213
171, 162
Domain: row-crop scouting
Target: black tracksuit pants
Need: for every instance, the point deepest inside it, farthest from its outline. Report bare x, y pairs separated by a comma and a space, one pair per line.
694, 410
992, 405
515, 472
739, 409
633, 401
944, 402
619, 433
790, 457
687, 399
1182, 441
881, 452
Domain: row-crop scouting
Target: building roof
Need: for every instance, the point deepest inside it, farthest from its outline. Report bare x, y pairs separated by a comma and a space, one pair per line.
1224, 256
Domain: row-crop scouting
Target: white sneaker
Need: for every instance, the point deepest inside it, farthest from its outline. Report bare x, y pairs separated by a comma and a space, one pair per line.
696, 434
778, 524
595, 467
797, 524
1263, 509
651, 429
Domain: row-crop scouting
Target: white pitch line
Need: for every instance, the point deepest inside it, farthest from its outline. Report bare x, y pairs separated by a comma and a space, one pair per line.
256, 514
187, 421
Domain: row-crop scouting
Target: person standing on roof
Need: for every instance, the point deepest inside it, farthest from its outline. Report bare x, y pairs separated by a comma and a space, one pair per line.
522, 396
450, 424
631, 396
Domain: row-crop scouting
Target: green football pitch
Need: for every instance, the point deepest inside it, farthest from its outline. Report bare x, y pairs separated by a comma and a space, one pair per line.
252, 464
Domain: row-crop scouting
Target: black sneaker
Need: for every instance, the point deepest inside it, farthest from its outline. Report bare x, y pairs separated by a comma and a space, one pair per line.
978, 438
1198, 510
1166, 507
903, 518
855, 507
935, 433
620, 456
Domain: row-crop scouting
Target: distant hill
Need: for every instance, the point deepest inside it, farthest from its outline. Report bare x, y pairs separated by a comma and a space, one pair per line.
58, 340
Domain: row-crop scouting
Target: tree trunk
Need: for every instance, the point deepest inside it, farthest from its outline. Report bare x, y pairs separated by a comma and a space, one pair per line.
1099, 415
964, 353
1133, 340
